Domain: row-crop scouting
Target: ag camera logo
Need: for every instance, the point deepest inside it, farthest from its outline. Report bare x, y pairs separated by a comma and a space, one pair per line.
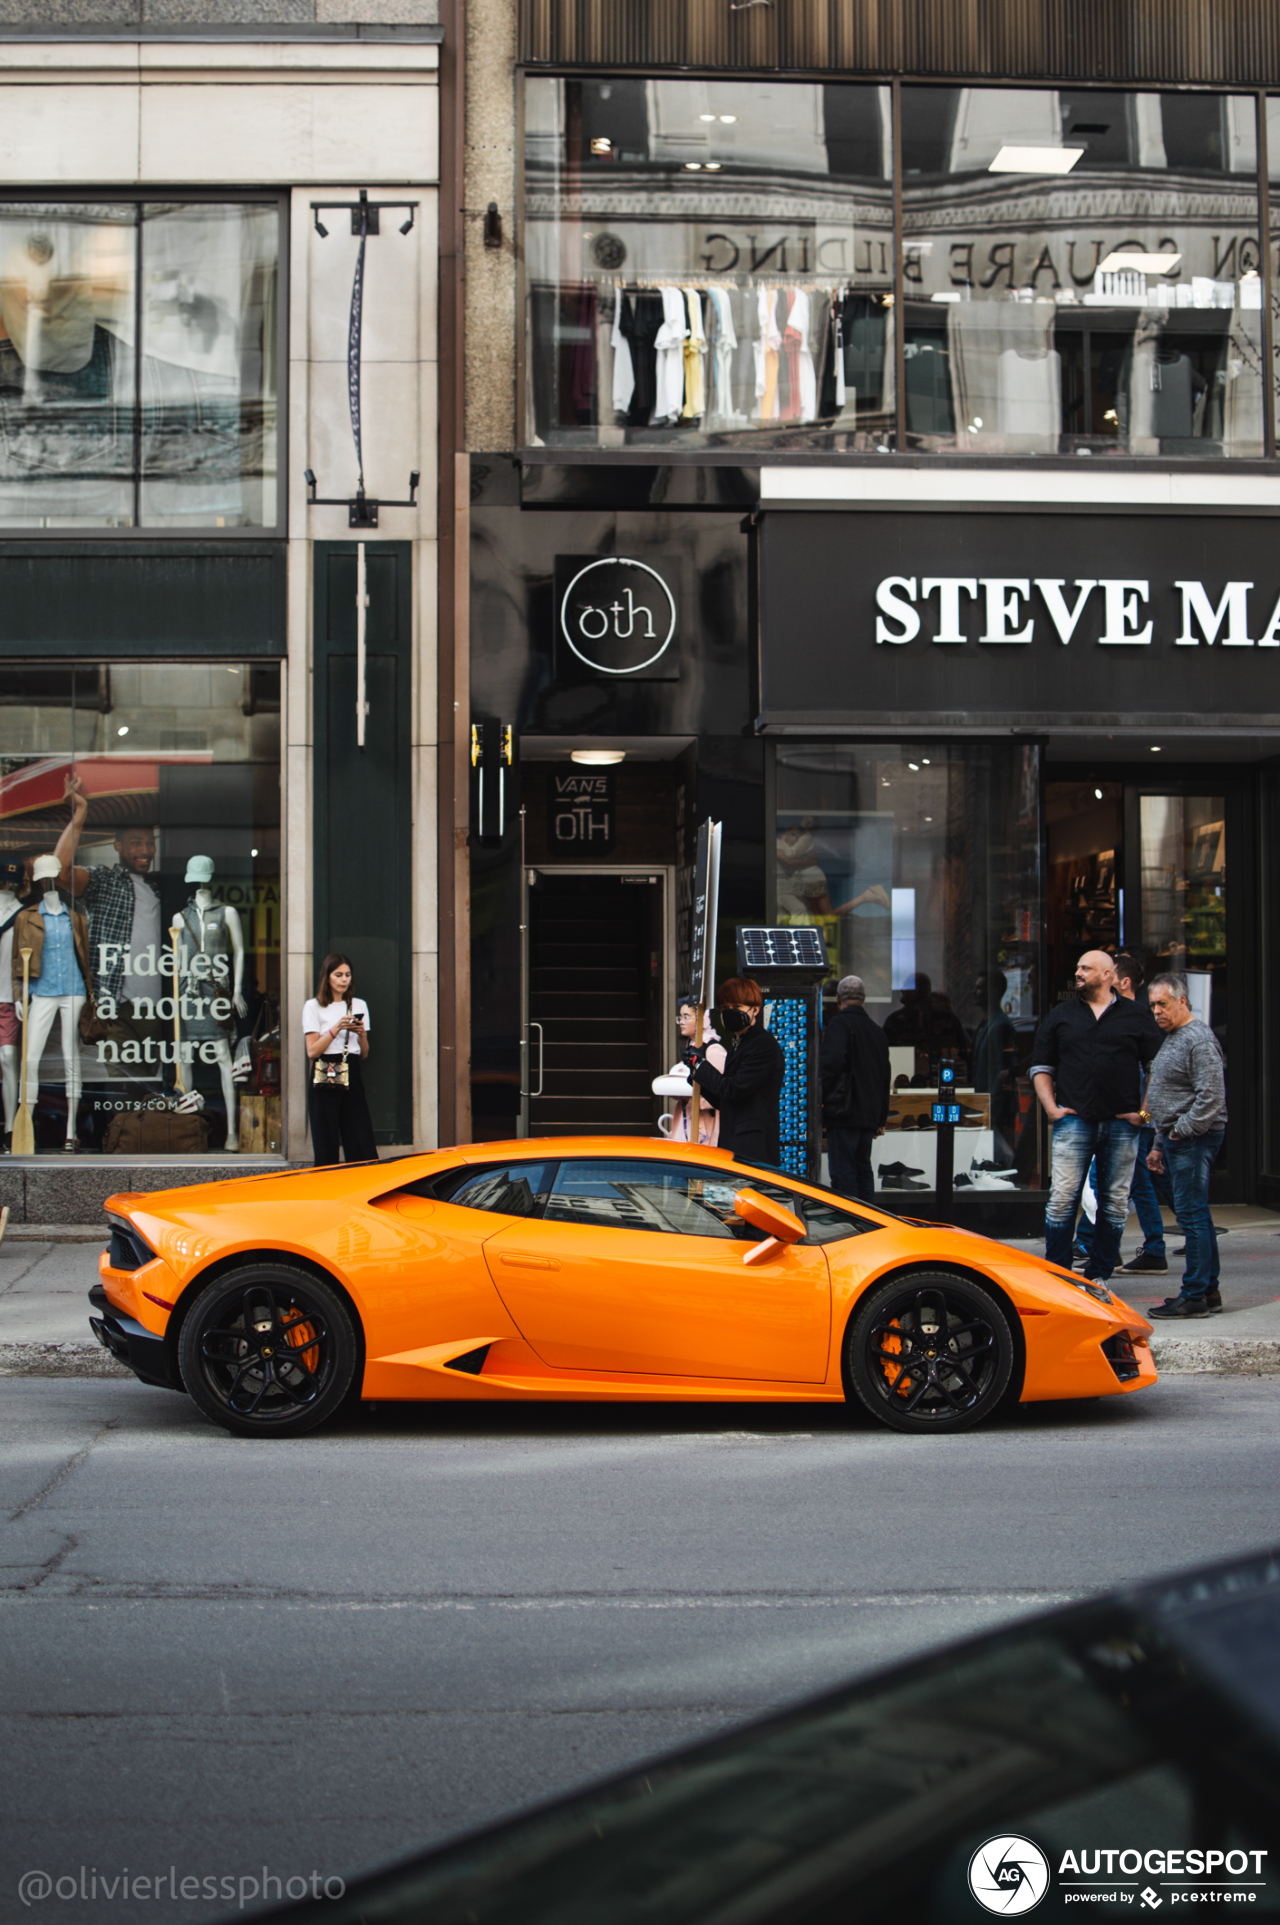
1008, 1875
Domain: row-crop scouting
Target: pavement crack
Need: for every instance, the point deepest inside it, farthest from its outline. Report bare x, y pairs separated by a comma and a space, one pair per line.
64, 1471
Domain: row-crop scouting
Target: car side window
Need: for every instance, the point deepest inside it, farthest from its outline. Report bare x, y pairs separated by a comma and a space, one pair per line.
637, 1193
824, 1221
511, 1188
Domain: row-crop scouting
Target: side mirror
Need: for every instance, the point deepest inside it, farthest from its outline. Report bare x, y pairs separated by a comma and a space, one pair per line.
780, 1225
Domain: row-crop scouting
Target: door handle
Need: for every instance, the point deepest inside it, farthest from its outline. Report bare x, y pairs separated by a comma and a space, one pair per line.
517, 1260
538, 1091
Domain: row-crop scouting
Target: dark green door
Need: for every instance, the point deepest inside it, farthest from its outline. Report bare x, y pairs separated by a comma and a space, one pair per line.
363, 811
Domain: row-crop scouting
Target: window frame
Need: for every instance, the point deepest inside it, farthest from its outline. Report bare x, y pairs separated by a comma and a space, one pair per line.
154, 193
750, 453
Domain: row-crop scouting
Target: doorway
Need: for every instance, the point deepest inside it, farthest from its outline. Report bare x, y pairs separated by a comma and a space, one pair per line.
598, 972
1140, 866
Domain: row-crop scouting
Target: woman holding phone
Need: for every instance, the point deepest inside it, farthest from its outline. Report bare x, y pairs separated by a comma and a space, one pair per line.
335, 1028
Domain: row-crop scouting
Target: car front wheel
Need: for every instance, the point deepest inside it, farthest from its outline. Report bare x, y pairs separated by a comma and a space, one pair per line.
930, 1352
268, 1351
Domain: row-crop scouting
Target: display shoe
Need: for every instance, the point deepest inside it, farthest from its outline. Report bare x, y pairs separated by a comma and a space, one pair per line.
903, 1183
907, 1123
899, 1169
1001, 1173
979, 1180
1146, 1265
971, 1117
1175, 1307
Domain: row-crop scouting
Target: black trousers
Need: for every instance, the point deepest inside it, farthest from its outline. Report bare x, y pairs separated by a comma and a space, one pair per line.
341, 1117
849, 1159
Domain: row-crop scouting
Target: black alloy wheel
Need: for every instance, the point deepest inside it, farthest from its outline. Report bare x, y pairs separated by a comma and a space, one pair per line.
268, 1351
929, 1353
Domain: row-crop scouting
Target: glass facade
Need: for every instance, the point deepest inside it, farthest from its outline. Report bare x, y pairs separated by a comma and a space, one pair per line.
708, 262
1081, 272
139, 364
152, 793
711, 264
921, 866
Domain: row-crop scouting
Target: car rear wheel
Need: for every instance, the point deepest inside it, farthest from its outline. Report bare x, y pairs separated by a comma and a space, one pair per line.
931, 1352
268, 1351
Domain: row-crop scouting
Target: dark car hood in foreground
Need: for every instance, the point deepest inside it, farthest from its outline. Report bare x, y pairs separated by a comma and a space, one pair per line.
1126, 1742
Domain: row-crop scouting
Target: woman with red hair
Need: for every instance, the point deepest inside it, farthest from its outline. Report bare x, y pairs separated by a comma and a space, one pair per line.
747, 1090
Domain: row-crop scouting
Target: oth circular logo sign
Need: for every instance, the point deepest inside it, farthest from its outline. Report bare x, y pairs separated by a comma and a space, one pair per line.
618, 616
1008, 1875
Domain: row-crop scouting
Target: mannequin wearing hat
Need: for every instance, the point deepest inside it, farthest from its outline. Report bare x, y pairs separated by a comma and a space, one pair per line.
58, 939
13, 886
212, 967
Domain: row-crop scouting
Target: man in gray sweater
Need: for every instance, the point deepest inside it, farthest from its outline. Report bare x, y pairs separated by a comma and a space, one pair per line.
1187, 1106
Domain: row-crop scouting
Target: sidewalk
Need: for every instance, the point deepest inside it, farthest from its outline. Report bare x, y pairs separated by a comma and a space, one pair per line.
45, 1276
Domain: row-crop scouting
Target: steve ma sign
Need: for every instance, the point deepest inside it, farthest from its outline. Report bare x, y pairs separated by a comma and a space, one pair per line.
1020, 621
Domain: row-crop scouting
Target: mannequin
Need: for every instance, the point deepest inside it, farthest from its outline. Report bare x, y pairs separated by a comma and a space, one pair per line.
13, 879
59, 939
212, 965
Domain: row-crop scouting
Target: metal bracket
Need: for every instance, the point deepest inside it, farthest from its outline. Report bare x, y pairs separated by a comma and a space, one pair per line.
362, 509
365, 214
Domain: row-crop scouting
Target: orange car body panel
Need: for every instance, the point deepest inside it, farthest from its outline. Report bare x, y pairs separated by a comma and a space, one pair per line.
587, 1311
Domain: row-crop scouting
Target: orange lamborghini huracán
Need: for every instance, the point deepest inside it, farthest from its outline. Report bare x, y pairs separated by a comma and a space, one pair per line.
589, 1267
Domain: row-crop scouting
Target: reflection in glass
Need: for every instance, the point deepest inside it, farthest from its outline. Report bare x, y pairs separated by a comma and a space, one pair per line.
101, 429
708, 262
157, 787
921, 867
1184, 898
1082, 272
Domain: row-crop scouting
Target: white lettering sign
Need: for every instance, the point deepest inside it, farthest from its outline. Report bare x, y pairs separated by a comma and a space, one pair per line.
1009, 606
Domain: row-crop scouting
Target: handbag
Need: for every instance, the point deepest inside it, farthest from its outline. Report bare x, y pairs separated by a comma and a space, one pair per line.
331, 1072
264, 1049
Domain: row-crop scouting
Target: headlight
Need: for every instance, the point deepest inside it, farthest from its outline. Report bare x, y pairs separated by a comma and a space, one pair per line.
1097, 1291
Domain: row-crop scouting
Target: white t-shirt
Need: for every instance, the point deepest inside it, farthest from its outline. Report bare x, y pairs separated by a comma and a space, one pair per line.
145, 934
315, 1021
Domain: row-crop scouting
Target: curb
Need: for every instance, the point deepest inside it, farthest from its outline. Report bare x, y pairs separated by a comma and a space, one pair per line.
1223, 1357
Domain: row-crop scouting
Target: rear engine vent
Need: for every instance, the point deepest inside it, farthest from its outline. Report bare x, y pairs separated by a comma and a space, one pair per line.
1119, 1353
472, 1361
128, 1251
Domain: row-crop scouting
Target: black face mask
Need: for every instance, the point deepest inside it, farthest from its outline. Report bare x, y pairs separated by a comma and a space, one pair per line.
733, 1022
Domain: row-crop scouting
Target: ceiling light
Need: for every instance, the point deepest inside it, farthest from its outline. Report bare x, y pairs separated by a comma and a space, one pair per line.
1155, 748
601, 146
713, 167
253, 852
706, 116
928, 818
975, 424
925, 760
728, 119
1098, 793
915, 766
123, 729
1135, 260
1035, 160
693, 166
597, 758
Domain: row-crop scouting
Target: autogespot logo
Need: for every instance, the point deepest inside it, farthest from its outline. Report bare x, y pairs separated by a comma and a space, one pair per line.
1008, 1875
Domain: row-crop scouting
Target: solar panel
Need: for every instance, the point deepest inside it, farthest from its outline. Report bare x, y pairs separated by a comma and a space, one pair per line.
787, 948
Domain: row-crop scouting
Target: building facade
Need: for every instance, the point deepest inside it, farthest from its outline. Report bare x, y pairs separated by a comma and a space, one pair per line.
218, 696
869, 442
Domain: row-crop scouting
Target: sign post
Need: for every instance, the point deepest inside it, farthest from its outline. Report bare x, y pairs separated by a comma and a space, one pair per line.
702, 942
946, 1114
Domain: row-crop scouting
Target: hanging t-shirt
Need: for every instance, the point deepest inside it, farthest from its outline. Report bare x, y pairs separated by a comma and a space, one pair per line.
144, 936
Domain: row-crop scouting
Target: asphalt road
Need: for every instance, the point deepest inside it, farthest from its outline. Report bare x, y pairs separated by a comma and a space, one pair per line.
222, 1656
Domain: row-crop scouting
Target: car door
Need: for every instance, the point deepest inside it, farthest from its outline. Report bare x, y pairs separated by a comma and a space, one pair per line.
636, 1264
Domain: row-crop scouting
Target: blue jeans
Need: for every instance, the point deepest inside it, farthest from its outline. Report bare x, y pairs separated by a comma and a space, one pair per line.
1143, 1199
1187, 1162
1075, 1145
849, 1160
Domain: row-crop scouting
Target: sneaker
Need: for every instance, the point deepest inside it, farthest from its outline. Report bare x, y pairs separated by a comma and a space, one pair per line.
1213, 1302
1145, 1265
1179, 1307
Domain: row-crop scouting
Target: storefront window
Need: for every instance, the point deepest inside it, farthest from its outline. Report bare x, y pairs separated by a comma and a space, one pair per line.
922, 868
708, 263
1082, 272
145, 800
138, 364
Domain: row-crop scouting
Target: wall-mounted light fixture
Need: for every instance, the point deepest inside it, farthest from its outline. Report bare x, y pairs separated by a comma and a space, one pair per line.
492, 226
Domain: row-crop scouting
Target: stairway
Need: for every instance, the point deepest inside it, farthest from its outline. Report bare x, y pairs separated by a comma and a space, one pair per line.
589, 988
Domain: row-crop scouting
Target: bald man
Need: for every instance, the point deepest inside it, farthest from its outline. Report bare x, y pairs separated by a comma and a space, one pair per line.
1086, 1064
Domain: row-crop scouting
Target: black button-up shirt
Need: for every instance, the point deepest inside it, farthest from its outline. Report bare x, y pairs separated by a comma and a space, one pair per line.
1096, 1061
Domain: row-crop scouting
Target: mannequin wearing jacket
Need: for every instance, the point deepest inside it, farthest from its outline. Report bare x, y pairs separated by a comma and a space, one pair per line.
60, 980
13, 886
746, 1092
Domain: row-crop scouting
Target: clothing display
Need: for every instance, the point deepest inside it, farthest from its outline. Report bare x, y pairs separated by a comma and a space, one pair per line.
205, 933
710, 355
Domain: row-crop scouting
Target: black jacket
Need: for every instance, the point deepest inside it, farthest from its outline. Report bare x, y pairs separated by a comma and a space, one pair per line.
1096, 1061
746, 1093
855, 1048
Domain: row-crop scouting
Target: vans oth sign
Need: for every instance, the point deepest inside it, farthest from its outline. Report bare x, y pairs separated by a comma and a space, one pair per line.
999, 610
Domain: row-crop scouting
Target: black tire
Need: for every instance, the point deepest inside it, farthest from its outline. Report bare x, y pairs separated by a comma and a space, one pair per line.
944, 1382
243, 1358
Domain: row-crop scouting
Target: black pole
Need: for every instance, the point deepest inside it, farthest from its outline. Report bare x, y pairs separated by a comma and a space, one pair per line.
946, 1114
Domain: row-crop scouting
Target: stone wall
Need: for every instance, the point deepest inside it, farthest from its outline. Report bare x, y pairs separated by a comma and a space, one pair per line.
60, 16
491, 271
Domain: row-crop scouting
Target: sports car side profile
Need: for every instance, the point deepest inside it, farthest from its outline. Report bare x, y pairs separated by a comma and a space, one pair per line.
591, 1267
